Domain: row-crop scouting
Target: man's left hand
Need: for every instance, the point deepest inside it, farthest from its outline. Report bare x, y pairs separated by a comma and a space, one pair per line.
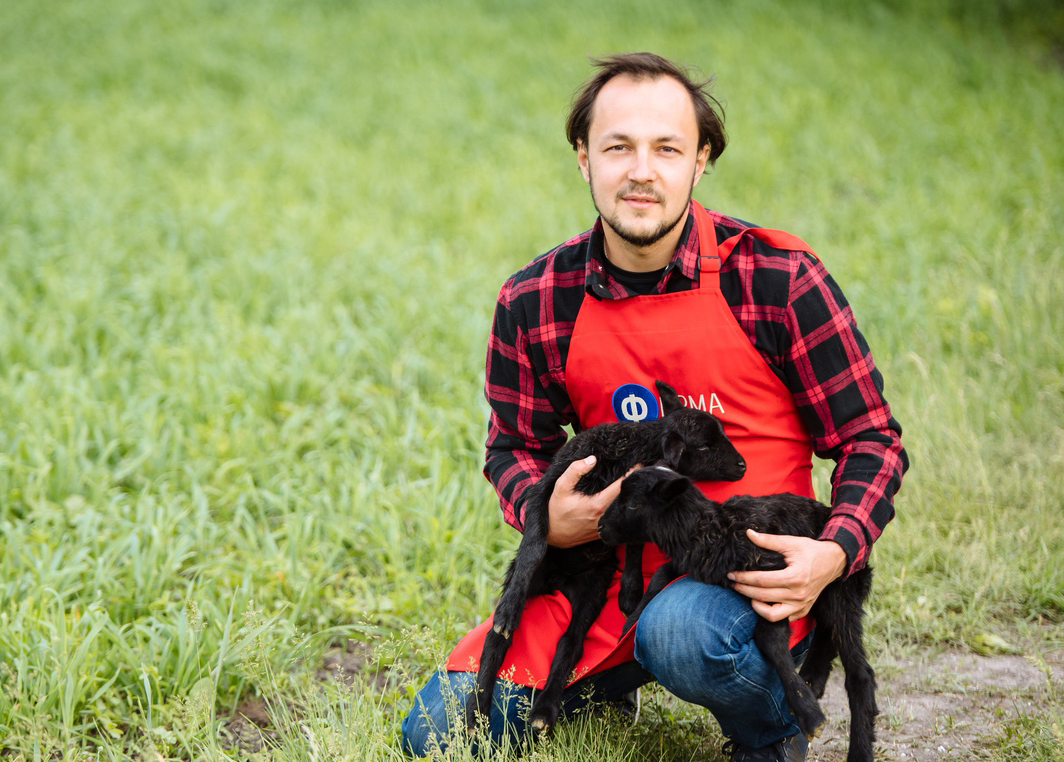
790, 593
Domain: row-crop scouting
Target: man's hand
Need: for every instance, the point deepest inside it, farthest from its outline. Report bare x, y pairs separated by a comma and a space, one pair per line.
574, 516
790, 593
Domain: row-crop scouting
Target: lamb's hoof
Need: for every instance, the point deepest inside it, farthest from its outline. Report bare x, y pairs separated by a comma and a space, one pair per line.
473, 716
812, 723
502, 631
540, 727
815, 732
472, 722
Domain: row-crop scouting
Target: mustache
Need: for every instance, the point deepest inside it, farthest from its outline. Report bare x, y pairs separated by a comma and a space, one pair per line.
641, 190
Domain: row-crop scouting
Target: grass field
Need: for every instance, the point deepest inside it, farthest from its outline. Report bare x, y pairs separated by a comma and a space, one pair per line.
248, 258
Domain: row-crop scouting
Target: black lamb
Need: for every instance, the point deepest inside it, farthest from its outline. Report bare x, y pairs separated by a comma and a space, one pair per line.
691, 441
706, 540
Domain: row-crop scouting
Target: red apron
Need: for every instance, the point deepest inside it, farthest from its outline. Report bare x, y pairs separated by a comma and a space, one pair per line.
691, 341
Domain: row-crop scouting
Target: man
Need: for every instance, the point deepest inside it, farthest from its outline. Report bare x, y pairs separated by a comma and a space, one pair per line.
742, 321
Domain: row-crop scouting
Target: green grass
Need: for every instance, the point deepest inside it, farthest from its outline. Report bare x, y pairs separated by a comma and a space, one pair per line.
248, 258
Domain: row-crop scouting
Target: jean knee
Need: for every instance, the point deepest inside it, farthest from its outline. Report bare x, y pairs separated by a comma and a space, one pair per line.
698, 641
428, 724
438, 716
691, 625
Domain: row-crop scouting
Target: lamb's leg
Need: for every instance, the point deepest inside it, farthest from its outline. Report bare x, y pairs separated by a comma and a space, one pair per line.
523, 578
861, 692
817, 666
772, 640
587, 595
860, 678
478, 705
662, 577
631, 578
523, 573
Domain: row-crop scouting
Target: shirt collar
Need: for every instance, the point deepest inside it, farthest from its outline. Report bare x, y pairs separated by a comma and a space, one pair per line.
599, 284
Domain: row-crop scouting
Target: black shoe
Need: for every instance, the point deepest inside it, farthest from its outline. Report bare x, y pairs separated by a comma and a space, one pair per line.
791, 749
633, 702
628, 707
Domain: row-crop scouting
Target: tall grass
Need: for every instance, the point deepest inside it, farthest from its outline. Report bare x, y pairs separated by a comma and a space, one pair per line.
248, 258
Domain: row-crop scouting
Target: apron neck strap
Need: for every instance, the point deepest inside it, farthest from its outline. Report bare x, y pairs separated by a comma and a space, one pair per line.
712, 255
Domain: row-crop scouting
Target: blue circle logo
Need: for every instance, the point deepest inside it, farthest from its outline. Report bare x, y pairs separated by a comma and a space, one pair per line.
634, 403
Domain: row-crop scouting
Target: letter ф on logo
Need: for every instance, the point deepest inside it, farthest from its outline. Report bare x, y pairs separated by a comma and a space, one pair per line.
634, 403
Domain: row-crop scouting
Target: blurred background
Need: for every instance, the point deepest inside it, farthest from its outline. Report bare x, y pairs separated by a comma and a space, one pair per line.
249, 254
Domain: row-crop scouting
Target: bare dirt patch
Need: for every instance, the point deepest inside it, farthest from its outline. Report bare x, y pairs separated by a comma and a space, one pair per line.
943, 705
251, 726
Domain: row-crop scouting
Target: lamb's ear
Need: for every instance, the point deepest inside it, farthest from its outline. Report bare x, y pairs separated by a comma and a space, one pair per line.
673, 448
670, 487
670, 400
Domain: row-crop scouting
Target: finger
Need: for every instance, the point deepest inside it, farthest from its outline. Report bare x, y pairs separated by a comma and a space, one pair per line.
766, 594
609, 494
747, 579
782, 578
777, 542
774, 612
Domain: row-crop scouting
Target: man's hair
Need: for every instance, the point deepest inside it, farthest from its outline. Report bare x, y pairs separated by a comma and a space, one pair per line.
709, 114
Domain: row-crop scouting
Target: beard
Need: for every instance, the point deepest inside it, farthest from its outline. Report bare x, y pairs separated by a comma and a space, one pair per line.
634, 237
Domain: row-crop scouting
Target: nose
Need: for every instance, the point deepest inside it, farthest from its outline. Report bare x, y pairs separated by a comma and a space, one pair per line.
641, 170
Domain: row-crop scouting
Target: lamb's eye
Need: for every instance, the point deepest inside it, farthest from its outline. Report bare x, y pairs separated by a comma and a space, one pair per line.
703, 448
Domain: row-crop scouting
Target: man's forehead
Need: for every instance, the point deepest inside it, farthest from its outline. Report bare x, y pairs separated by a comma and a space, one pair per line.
628, 104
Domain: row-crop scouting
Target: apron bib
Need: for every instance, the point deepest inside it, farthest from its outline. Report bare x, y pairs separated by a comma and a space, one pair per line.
691, 341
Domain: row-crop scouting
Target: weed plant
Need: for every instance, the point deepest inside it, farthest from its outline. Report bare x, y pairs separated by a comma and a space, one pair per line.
248, 259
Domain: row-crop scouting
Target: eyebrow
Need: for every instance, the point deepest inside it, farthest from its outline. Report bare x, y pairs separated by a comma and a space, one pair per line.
626, 138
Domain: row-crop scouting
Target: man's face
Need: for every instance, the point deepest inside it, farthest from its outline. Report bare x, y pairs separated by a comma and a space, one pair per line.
642, 157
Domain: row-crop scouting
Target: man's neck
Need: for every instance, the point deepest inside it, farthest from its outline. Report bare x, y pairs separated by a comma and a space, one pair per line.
639, 259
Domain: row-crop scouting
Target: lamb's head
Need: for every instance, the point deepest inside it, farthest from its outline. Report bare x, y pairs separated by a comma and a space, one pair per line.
694, 442
647, 497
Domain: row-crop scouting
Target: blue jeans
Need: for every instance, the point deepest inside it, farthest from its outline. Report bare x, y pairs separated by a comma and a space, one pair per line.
439, 707
696, 640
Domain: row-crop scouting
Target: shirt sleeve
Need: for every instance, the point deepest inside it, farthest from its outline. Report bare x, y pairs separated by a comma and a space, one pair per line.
839, 395
524, 428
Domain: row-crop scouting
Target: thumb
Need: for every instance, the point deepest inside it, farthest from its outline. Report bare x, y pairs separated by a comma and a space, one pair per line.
575, 470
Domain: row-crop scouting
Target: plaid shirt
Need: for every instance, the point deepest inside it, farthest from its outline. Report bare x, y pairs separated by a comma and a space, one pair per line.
786, 303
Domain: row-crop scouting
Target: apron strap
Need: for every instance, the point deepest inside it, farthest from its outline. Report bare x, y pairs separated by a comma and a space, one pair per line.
712, 255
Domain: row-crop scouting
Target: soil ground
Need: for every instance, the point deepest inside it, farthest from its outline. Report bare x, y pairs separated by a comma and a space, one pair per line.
944, 705
934, 705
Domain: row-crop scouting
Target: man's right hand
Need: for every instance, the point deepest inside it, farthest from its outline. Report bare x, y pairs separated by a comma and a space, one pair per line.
574, 516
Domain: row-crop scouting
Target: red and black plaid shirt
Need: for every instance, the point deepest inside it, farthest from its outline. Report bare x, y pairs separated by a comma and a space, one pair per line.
786, 303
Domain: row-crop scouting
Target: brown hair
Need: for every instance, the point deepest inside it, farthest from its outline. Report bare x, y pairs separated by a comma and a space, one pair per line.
709, 114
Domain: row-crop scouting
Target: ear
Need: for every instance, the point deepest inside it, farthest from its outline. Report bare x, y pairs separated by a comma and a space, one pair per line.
670, 488
673, 447
700, 163
582, 160
670, 400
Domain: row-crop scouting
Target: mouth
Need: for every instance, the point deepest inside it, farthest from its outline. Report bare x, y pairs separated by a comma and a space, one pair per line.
639, 198
640, 202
